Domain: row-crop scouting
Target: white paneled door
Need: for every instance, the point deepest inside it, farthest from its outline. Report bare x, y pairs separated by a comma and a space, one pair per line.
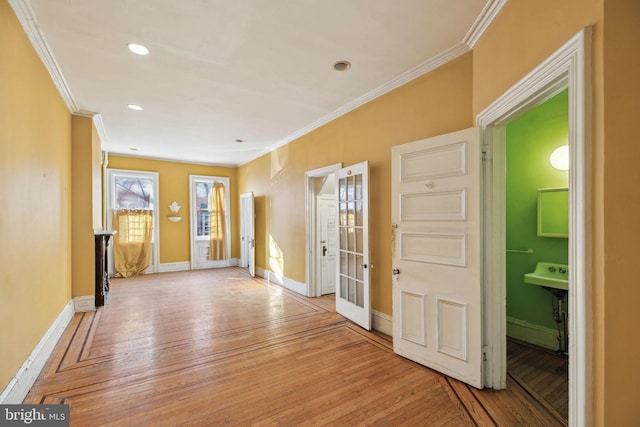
327, 236
352, 278
435, 211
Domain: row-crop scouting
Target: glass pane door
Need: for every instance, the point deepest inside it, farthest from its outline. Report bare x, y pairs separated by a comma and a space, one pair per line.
352, 296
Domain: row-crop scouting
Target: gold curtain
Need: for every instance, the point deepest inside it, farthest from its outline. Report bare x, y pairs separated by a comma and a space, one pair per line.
217, 223
132, 242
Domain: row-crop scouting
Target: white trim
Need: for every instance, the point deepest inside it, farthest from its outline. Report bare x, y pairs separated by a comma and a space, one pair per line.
222, 263
569, 66
27, 18
486, 17
18, 387
166, 159
532, 333
168, 267
84, 303
382, 322
102, 131
313, 289
285, 282
412, 74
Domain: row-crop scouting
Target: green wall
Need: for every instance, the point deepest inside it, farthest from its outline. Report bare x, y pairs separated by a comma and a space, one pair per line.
530, 140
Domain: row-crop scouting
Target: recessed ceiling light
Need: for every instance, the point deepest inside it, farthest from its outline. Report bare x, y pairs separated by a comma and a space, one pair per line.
135, 107
342, 65
138, 49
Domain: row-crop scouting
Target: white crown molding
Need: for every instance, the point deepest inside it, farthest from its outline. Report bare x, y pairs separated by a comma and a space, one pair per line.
99, 124
27, 18
486, 17
412, 74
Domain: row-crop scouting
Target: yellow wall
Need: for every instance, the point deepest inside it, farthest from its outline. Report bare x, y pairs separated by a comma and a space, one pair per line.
174, 186
35, 168
436, 103
522, 36
35, 185
617, 285
86, 207
538, 29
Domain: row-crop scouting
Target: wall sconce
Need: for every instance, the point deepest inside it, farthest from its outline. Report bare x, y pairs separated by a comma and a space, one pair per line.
560, 158
174, 207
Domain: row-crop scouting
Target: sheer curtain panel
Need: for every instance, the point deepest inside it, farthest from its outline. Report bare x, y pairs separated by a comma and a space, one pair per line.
217, 224
132, 243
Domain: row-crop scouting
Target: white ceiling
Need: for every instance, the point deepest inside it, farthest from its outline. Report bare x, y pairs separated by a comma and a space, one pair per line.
220, 70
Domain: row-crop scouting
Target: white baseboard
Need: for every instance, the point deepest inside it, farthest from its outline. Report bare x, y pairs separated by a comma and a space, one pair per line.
84, 303
201, 265
532, 333
382, 322
17, 389
285, 282
168, 267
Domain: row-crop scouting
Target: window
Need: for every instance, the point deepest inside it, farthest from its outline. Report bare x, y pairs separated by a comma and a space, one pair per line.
203, 190
133, 193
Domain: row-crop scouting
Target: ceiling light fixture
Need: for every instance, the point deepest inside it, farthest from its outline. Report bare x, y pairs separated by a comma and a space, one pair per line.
560, 158
342, 65
135, 107
138, 49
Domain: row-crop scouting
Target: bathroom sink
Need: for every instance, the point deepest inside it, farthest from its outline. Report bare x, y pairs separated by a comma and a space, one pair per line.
549, 275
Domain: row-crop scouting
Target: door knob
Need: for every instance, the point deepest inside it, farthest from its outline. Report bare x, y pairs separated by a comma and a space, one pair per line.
396, 271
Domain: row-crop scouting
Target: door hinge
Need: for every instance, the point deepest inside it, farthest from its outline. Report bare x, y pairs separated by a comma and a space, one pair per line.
485, 154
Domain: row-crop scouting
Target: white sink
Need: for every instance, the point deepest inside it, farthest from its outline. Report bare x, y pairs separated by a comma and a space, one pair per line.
549, 275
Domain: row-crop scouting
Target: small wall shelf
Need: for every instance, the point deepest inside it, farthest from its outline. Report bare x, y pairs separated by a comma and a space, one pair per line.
174, 218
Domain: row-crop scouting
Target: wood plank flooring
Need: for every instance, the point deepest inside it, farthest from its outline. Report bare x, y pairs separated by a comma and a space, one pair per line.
543, 373
216, 347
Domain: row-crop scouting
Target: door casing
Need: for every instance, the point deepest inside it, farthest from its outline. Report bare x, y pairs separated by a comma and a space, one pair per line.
311, 243
195, 261
111, 173
568, 67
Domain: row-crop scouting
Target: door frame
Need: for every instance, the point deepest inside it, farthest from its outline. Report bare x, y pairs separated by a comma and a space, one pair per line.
110, 174
313, 288
193, 262
247, 253
569, 67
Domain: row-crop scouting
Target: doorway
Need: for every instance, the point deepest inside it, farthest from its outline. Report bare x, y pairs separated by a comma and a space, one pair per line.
537, 240
129, 190
327, 235
247, 233
210, 221
320, 187
568, 67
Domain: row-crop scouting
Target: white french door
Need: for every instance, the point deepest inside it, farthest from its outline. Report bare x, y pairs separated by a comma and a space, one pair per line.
352, 284
247, 233
130, 189
437, 264
200, 225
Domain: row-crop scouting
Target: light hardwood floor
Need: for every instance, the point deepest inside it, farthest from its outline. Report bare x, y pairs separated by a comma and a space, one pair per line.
216, 347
